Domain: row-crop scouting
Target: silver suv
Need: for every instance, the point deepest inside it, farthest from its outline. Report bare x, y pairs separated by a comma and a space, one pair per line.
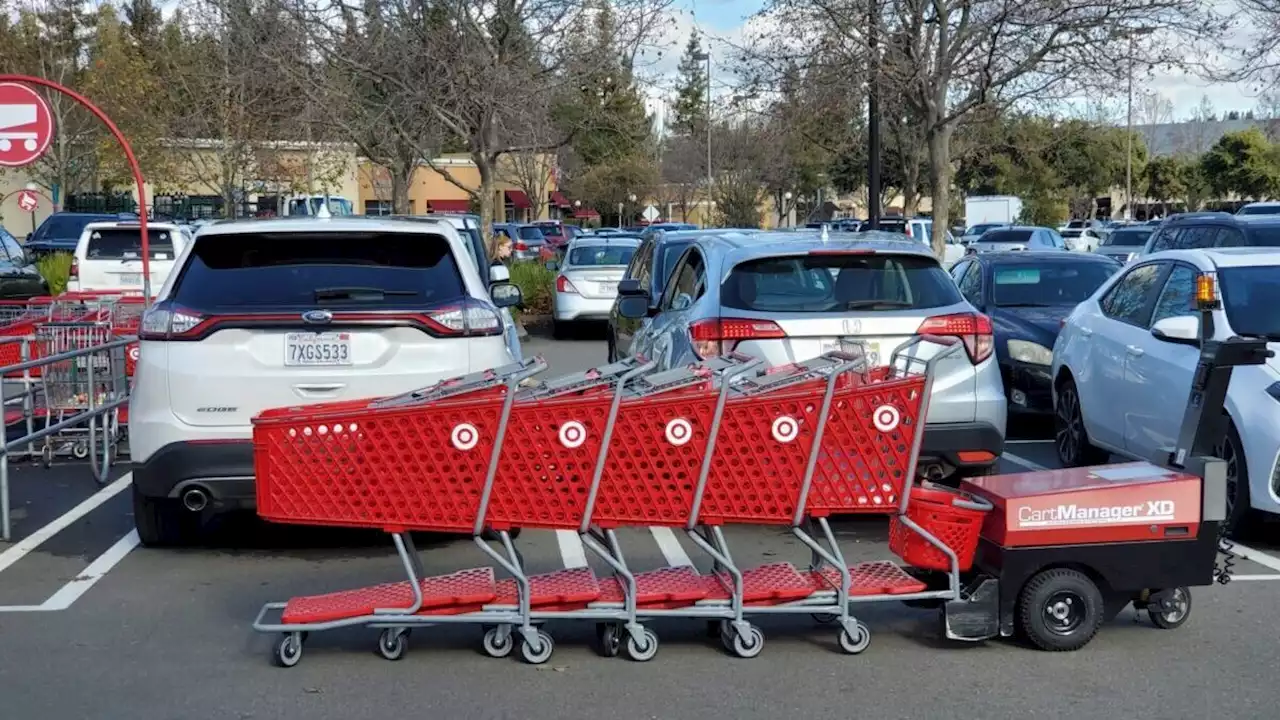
791, 296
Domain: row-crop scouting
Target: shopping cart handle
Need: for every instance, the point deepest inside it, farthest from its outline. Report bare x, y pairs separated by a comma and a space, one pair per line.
973, 502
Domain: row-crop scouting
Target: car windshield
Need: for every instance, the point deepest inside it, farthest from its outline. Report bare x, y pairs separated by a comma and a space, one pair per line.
1057, 283
838, 283
601, 255
1260, 210
1007, 236
126, 244
551, 230
1250, 296
259, 271
531, 233
1129, 237
979, 229
1071, 233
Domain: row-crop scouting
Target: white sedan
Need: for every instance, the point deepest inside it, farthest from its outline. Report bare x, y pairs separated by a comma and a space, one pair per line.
1124, 359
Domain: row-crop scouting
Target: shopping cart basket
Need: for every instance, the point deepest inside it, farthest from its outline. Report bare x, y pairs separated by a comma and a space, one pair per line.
79, 384
620, 445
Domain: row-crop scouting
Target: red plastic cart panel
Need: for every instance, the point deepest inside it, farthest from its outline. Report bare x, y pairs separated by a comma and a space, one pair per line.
468, 587
679, 585
575, 586
870, 578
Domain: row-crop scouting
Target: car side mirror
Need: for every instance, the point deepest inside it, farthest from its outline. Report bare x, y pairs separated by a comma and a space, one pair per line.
505, 294
633, 306
552, 265
630, 287
1180, 330
499, 274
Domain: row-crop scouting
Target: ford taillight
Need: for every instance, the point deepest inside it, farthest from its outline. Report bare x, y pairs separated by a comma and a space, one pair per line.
467, 318
716, 336
973, 329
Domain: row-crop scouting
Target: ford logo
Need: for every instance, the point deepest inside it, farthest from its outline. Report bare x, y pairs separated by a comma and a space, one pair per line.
317, 317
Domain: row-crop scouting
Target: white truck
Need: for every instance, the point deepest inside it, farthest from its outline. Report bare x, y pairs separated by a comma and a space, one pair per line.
992, 209
310, 205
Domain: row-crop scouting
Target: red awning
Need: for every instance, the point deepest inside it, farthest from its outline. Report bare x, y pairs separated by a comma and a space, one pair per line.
449, 206
586, 213
518, 199
559, 200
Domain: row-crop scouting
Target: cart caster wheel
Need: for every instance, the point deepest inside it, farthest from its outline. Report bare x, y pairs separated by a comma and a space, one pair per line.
393, 643
749, 646
495, 648
288, 650
824, 618
80, 451
539, 654
608, 639
645, 648
857, 642
1170, 619
46, 456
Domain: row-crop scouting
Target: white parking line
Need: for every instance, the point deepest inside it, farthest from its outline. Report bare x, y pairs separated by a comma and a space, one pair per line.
1016, 460
69, 593
1248, 553
572, 552
1028, 442
1248, 578
24, 546
671, 548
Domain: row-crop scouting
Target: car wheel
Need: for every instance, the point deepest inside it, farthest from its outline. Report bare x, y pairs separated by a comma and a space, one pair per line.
1070, 437
559, 330
613, 352
163, 522
1231, 451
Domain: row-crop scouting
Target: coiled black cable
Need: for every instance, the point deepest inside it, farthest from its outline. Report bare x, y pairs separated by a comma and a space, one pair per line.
1222, 572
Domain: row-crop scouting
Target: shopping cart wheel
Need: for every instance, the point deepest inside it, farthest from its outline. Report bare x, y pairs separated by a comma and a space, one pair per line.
288, 650
539, 654
80, 450
495, 647
749, 646
644, 648
393, 642
858, 641
608, 639
46, 454
825, 618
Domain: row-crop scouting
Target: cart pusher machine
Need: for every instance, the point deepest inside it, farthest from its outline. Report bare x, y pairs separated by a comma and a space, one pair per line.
721, 441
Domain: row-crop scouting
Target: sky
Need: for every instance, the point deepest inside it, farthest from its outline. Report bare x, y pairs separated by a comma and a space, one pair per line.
723, 21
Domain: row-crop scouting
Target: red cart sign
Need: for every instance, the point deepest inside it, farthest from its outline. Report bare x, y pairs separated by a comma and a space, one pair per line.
26, 125
27, 201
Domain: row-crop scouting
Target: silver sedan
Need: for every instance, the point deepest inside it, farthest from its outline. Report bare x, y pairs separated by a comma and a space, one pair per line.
587, 283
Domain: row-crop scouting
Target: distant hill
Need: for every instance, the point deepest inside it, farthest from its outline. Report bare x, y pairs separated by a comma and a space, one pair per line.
1192, 137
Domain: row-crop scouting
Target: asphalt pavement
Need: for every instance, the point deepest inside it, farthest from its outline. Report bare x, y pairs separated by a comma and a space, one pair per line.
92, 626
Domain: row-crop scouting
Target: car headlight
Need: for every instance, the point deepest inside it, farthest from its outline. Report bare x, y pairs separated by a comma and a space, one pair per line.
1029, 352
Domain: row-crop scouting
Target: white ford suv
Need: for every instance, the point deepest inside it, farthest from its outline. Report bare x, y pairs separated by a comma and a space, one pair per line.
268, 313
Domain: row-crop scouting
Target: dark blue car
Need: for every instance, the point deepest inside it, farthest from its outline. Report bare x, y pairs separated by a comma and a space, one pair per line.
1027, 295
60, 232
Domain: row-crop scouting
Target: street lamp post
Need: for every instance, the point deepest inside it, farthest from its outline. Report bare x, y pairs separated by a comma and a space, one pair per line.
1128, 156
707, 57
786, 207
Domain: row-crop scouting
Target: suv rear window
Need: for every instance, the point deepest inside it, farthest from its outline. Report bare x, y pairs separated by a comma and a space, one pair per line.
836, 283
1135, 237
601, 255
126, 244
259, 271
1263, 237
1006, 236
531, 233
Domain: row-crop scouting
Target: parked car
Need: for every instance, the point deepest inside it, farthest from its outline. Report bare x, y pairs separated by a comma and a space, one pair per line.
1125, 243
1027, 295
527, 241
587, 281
975, 232
1125, 359
109, 255
672, 226
19, 278
60, 232
1083, 239
788, 297
284, 312
1260, 208
554, 233
1200, 231
1018, 237
921, 230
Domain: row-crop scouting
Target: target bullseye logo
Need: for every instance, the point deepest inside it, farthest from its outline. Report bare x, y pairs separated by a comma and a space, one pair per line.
785, 429
679, 432
133, 353
886, 418
465, 436
572, 434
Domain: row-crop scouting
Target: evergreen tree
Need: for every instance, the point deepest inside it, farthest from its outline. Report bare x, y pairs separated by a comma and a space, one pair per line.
690, 109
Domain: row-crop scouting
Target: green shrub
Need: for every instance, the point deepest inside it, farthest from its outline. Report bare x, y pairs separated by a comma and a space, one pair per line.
56, 271
537, 284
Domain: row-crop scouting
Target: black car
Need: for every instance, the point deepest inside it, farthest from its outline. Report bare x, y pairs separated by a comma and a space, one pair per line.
60, 232
1027, 295
1199, 231
19, 279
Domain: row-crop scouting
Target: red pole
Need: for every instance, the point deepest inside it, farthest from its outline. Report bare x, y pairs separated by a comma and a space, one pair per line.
128, 154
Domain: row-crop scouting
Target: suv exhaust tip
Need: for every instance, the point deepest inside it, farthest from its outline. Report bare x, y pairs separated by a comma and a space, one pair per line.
195, 499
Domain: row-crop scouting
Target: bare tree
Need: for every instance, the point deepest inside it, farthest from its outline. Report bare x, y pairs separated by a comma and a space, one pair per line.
683, 173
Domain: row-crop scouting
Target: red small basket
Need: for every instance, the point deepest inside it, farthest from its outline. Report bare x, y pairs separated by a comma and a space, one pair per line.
949, 515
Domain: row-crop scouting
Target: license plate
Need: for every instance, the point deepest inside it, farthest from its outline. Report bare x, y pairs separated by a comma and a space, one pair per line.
131, 279
317, 349
855, 347
608, 287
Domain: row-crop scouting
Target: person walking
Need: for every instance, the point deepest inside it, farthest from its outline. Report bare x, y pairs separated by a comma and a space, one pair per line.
499, 249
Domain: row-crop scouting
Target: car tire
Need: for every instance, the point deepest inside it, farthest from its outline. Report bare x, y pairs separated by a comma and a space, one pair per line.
559, 330
1238, 498
163, 522
613, 351
1070, 439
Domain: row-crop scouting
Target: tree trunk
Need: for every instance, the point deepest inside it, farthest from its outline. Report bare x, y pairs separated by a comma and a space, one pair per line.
939, 139
485, 192
401, 174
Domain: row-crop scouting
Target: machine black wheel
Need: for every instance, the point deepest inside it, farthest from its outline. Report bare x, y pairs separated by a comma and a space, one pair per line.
857, 642
393, 642
539, 654
608, 639
1060, 610
642, 649
163, 522
1231, 450
495, 648
288, 650
1070, 437
1170, 619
